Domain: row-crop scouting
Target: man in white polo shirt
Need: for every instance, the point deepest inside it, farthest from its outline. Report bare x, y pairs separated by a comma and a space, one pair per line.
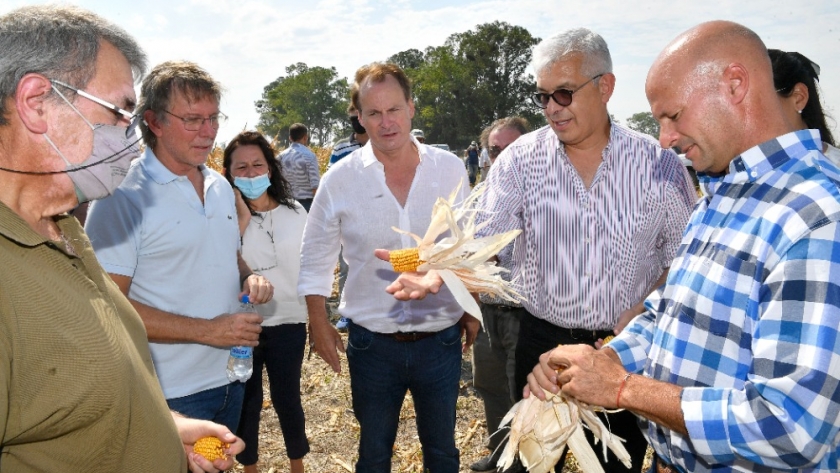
169, 238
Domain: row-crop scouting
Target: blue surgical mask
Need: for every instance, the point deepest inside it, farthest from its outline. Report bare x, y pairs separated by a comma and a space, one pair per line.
252, 187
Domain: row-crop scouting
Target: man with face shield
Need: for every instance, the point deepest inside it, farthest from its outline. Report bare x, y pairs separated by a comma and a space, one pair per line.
79, 391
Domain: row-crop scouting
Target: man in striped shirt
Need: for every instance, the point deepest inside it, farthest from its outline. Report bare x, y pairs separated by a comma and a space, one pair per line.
300, 165
601, 208
735, 366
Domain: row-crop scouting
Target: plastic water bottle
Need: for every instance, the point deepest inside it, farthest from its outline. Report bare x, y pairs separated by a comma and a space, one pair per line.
241, 360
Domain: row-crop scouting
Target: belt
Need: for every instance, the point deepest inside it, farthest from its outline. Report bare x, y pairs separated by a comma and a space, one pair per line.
586, 335
662, 467
407, 336
503, 307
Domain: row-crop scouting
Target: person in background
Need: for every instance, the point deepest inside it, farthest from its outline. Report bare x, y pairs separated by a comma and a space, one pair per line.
471, 161
483, 158
795, 77
79, 391
300, 165
418, 135
271, 240
494, 360
356, 140
170, 241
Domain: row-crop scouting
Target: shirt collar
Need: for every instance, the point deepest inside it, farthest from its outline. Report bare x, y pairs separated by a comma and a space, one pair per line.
369, 158
759, 160
15, 228
157, 171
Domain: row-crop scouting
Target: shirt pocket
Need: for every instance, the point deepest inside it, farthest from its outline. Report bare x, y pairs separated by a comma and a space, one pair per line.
722, 283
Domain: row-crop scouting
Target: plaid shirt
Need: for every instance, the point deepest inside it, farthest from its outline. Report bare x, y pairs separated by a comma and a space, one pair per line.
748, 321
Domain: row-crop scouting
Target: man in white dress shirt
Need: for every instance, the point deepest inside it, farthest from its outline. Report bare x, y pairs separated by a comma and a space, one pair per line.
393, 346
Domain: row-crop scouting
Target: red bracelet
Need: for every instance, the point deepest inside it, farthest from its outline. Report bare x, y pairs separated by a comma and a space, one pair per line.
620, 388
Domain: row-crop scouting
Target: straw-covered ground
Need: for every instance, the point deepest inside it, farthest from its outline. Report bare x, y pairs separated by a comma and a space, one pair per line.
334, 433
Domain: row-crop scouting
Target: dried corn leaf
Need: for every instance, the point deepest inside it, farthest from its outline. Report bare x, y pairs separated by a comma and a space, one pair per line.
539, 430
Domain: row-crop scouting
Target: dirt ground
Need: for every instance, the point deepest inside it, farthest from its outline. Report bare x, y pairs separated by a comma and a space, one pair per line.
334, 433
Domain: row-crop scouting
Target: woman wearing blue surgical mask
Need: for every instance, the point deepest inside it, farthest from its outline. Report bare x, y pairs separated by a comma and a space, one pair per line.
272, 228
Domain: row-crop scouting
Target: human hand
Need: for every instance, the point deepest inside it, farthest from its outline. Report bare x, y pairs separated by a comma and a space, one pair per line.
258, 289
411, 285
580, 371
325, 340
190, 430
239, 329
469, 327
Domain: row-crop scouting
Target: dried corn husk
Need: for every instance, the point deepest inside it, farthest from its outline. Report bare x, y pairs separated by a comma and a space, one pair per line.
461, 258
540, 429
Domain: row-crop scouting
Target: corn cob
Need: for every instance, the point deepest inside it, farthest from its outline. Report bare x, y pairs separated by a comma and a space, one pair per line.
407, 259
211, 448
608, 338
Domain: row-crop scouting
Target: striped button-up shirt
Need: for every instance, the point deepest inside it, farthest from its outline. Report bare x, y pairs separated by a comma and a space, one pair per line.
748, 320
586, 254
300, 167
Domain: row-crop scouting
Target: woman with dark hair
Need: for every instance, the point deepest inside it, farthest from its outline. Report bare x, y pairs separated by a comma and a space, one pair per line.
272, 228
795, 77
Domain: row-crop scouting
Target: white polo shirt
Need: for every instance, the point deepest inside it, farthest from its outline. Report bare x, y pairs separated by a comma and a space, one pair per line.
181, 256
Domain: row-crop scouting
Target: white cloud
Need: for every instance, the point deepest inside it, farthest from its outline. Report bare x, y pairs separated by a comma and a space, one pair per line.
248, 43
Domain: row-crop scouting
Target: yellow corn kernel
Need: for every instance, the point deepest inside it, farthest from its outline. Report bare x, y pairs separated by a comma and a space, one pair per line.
407, 259
608, 338
211, 448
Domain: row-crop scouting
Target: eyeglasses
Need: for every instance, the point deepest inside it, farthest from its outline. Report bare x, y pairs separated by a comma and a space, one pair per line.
495, 151
195, 123
133, 119
563, 97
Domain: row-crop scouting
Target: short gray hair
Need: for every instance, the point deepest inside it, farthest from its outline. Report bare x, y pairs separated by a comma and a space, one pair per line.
59, 42
596, 54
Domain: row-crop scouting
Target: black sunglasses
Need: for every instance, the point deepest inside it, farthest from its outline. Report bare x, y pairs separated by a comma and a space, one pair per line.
563, 97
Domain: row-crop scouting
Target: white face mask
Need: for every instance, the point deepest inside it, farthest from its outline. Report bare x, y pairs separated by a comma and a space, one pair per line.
114, 148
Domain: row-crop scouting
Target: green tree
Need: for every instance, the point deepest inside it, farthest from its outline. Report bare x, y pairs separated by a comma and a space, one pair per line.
474, 78
643, 122
314, 96
409, 59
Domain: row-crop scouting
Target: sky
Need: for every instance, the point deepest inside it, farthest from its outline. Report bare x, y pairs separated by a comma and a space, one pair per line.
246, 44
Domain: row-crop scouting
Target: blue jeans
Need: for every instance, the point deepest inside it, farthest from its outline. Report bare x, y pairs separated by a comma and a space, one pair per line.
281, 352
381, 371
222, 405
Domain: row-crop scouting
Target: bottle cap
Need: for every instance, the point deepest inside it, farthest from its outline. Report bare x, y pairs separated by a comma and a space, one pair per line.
245, 299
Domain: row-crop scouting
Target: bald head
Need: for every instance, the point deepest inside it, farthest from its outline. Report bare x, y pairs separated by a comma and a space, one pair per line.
712, 90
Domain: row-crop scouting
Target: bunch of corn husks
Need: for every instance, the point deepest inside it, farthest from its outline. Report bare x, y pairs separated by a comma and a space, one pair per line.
539, 430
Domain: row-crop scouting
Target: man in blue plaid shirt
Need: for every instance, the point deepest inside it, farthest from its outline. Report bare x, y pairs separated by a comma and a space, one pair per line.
735, 364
